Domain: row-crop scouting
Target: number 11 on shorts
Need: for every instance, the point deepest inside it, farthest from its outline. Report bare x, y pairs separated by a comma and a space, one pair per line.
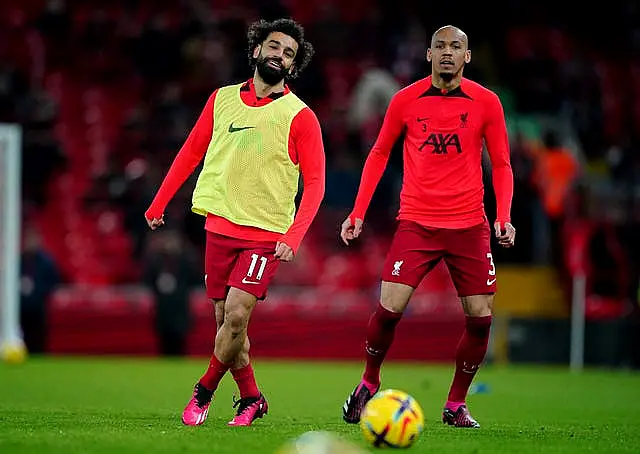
492, 270
252, 266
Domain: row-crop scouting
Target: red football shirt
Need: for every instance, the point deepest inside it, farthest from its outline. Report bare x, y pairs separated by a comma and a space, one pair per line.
444, 134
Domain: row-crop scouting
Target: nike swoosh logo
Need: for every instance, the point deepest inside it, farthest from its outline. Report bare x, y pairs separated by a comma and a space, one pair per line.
422, 119
245, 281
234, 129
373, 352
490, 281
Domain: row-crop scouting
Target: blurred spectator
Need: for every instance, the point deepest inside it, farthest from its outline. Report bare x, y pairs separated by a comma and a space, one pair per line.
555, 171
42, 158
371, 96
170, 273
42, 153
524, 199
133, 198
39, 278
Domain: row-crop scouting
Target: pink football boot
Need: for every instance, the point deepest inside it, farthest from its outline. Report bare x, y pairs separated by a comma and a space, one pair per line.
196, 411
249, 409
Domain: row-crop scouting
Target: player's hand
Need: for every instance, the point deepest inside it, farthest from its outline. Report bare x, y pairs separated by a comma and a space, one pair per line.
505, 233
155, 222
350, 231
283, 252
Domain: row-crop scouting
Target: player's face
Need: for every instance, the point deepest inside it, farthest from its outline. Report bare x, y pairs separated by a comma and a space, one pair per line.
275, 56
448, 53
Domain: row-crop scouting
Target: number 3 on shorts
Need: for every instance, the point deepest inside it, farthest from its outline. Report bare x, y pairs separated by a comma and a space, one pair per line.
252, 266
492, 269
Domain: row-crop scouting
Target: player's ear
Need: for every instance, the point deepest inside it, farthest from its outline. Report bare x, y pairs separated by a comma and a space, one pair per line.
429, 55
467, 56
256, 51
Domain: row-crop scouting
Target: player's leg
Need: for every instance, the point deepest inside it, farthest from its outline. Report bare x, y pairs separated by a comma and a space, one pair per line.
220, 257
394, 298
473, 272
252, 273
241, 368
230, 338
217, 367
470, 353
231, 347
411, 256
243, 373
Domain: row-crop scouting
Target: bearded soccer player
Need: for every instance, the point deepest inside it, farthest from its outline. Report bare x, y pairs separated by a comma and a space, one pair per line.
256, 139
445, 119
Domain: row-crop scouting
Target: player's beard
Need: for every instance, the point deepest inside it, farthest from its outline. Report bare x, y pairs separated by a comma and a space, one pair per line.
271, 76
449, 76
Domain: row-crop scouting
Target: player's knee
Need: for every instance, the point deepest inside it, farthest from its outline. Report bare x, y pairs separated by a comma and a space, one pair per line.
236, 319
394, 297
385, 318
478, 305
391, 305
237, 311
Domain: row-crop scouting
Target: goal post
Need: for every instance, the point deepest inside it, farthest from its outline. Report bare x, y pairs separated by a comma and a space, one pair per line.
12, 348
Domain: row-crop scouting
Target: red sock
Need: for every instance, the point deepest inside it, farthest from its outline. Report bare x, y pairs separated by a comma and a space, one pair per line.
213, 375
380, 333
470, 353
246, 381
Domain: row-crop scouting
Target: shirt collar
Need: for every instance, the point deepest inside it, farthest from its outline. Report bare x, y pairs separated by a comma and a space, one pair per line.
435, 91
248, 86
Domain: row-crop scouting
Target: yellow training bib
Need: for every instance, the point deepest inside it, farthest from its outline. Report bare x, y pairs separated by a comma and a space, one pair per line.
248, 177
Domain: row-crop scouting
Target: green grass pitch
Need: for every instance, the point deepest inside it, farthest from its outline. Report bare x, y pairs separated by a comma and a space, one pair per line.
111, 405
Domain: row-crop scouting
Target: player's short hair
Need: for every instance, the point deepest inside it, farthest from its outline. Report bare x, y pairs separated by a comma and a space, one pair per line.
450, 27
260, 30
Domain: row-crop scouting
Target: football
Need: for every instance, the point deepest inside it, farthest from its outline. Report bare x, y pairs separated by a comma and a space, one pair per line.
13, 353
392, 419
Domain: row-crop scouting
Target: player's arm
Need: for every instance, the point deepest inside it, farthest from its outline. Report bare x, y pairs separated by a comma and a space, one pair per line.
374, 167
497, 141
305, 147
187, 159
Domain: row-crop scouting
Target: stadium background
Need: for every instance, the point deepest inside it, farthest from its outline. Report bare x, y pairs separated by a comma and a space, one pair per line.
107, 91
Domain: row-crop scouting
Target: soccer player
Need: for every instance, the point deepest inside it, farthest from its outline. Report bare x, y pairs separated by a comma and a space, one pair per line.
445, 119
256, 139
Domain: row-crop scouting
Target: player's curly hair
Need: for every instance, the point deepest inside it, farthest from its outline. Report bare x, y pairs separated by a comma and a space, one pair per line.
258, 32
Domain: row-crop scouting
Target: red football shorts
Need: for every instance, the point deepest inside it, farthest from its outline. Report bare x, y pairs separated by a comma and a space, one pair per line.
416, 250
244, 264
